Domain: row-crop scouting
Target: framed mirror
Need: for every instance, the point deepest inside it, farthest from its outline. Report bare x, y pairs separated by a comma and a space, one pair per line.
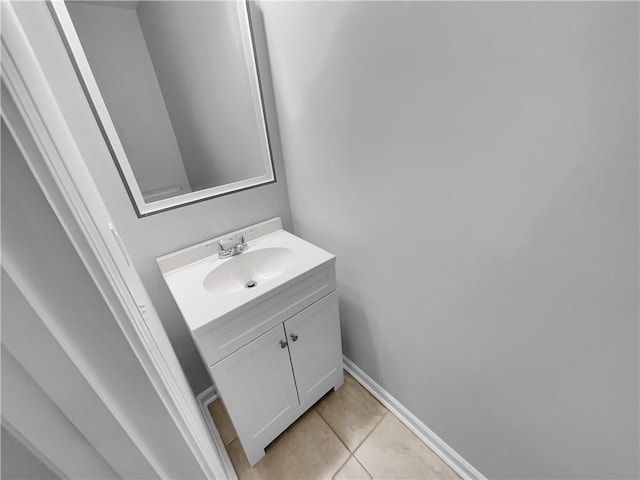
175, 89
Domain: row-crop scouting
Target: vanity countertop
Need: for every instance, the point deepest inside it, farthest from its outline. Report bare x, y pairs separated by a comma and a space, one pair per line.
202, 307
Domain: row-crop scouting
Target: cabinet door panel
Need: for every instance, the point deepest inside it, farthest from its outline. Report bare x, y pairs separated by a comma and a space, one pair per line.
258, 389
316, 350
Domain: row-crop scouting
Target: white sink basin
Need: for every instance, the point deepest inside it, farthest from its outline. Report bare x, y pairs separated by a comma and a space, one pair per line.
248, 270
208, 289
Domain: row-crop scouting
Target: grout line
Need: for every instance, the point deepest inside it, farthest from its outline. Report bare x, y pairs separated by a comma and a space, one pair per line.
342, 465
369, 434
335, 433
386, 410
363, 467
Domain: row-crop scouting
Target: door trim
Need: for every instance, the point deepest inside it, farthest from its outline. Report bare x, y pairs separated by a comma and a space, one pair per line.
204, 399
68, 185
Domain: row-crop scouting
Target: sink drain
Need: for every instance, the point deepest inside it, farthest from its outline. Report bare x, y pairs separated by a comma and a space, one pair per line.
250, 284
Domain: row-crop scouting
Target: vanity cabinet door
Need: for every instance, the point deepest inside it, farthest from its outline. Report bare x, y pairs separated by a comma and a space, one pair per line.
258, 389
316, 350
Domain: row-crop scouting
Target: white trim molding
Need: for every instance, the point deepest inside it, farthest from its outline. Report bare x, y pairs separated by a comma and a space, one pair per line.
204, 399
424, 433
58, 166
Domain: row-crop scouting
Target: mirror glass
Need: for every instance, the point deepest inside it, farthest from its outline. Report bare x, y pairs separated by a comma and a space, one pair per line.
175, 89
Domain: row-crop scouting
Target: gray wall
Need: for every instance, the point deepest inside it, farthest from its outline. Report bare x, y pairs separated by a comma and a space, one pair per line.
197, 51
33, 417
19, 463
150, 237
115, 46
60, 331
474, 166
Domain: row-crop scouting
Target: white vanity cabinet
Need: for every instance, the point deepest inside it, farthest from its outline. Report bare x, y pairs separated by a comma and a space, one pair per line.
265, 322
259, 390
314, 342
270, 381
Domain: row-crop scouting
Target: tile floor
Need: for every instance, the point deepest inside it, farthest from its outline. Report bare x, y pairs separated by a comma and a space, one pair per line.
348, 434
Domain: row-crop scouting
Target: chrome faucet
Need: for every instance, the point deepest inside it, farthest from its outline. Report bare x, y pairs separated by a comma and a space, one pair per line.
232, 247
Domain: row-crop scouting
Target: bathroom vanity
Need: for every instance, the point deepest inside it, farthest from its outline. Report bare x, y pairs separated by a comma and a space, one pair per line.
266, 324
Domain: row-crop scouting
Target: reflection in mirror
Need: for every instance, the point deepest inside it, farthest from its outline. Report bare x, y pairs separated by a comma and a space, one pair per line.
175, 88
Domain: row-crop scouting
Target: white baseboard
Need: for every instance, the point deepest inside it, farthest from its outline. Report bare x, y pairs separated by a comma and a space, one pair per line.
433, 441
204, 399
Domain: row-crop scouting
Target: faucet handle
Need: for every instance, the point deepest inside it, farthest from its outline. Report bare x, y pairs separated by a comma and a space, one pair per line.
242, 245
225, 250
227, 244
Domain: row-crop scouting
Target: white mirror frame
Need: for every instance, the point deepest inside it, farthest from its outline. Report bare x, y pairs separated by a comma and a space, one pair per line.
81, 65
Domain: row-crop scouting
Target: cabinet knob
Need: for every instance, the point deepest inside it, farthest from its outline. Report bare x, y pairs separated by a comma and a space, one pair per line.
294, 337
283, 344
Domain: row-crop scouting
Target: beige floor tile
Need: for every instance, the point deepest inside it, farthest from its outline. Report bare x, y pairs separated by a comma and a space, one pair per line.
222, 421
393, 451
351, 412
352, 470
308, 449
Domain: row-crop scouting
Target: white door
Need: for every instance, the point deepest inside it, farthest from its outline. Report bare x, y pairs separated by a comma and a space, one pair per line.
316, 350
257, 386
